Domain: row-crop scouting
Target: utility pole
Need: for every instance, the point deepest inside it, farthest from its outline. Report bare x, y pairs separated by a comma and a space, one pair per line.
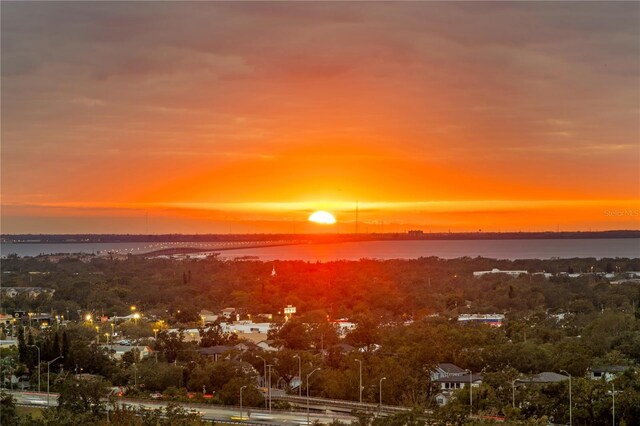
309, 375
269, 388
49, 365
241, 389
265, 376
470, 392
360, 388
613, 394
381, 380
570, 405
356, 218
299, 374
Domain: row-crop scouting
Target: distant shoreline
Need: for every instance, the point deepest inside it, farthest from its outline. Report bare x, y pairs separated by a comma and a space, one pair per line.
314, 238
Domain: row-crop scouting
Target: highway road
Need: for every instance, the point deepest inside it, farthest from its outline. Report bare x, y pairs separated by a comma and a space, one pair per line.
339, 405
209, 412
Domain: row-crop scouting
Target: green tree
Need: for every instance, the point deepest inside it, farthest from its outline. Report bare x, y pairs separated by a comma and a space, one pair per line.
32, 353
83, 396
366, 333
131, 357
92, 358
214, 335
22, 345
294, 334
414, 417
8, 414
230, 393
62, 417
171, 415
170, 344
56, 350
46, 349
68, 360
159, 376
324, 335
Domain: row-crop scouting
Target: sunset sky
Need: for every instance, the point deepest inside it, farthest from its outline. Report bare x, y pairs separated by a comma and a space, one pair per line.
246, 117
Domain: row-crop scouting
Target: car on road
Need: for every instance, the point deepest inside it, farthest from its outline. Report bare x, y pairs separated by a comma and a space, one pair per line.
35, 401
156, 395
260, 417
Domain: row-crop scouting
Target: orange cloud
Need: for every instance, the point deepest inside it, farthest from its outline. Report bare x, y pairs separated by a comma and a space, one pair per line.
194, 113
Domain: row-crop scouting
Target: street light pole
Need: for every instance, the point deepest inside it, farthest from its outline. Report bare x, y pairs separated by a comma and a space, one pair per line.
269, 388
513, 396
48, 365
381, 380
35, 346
299, 374
241, 401
613, 394
360, 388
265, 376
309, 375
570, 408
470, 392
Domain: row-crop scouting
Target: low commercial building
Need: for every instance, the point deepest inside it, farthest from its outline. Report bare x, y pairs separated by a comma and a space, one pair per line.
251, 331
546, 275
498, 271
545, 377
268, 346
188, 335
449, 378
216, 352
30, 292
208, 317
6, 319
493, 320
42, 319
459, 382
607, 372
230, 312
445, 370
117, 351
246, 327
344, 326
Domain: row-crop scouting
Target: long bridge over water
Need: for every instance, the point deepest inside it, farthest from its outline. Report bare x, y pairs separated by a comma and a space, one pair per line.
216, 247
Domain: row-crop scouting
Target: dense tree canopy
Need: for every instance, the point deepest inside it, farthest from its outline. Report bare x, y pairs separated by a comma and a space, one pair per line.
405, 314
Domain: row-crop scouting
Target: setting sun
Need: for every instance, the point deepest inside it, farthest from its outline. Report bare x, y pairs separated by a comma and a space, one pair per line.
322, 217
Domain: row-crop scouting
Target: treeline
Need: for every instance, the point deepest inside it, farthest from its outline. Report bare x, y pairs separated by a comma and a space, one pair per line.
406, 323
199, 238
393, 289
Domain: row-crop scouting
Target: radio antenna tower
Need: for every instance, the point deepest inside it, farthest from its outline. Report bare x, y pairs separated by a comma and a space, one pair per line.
356, 217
